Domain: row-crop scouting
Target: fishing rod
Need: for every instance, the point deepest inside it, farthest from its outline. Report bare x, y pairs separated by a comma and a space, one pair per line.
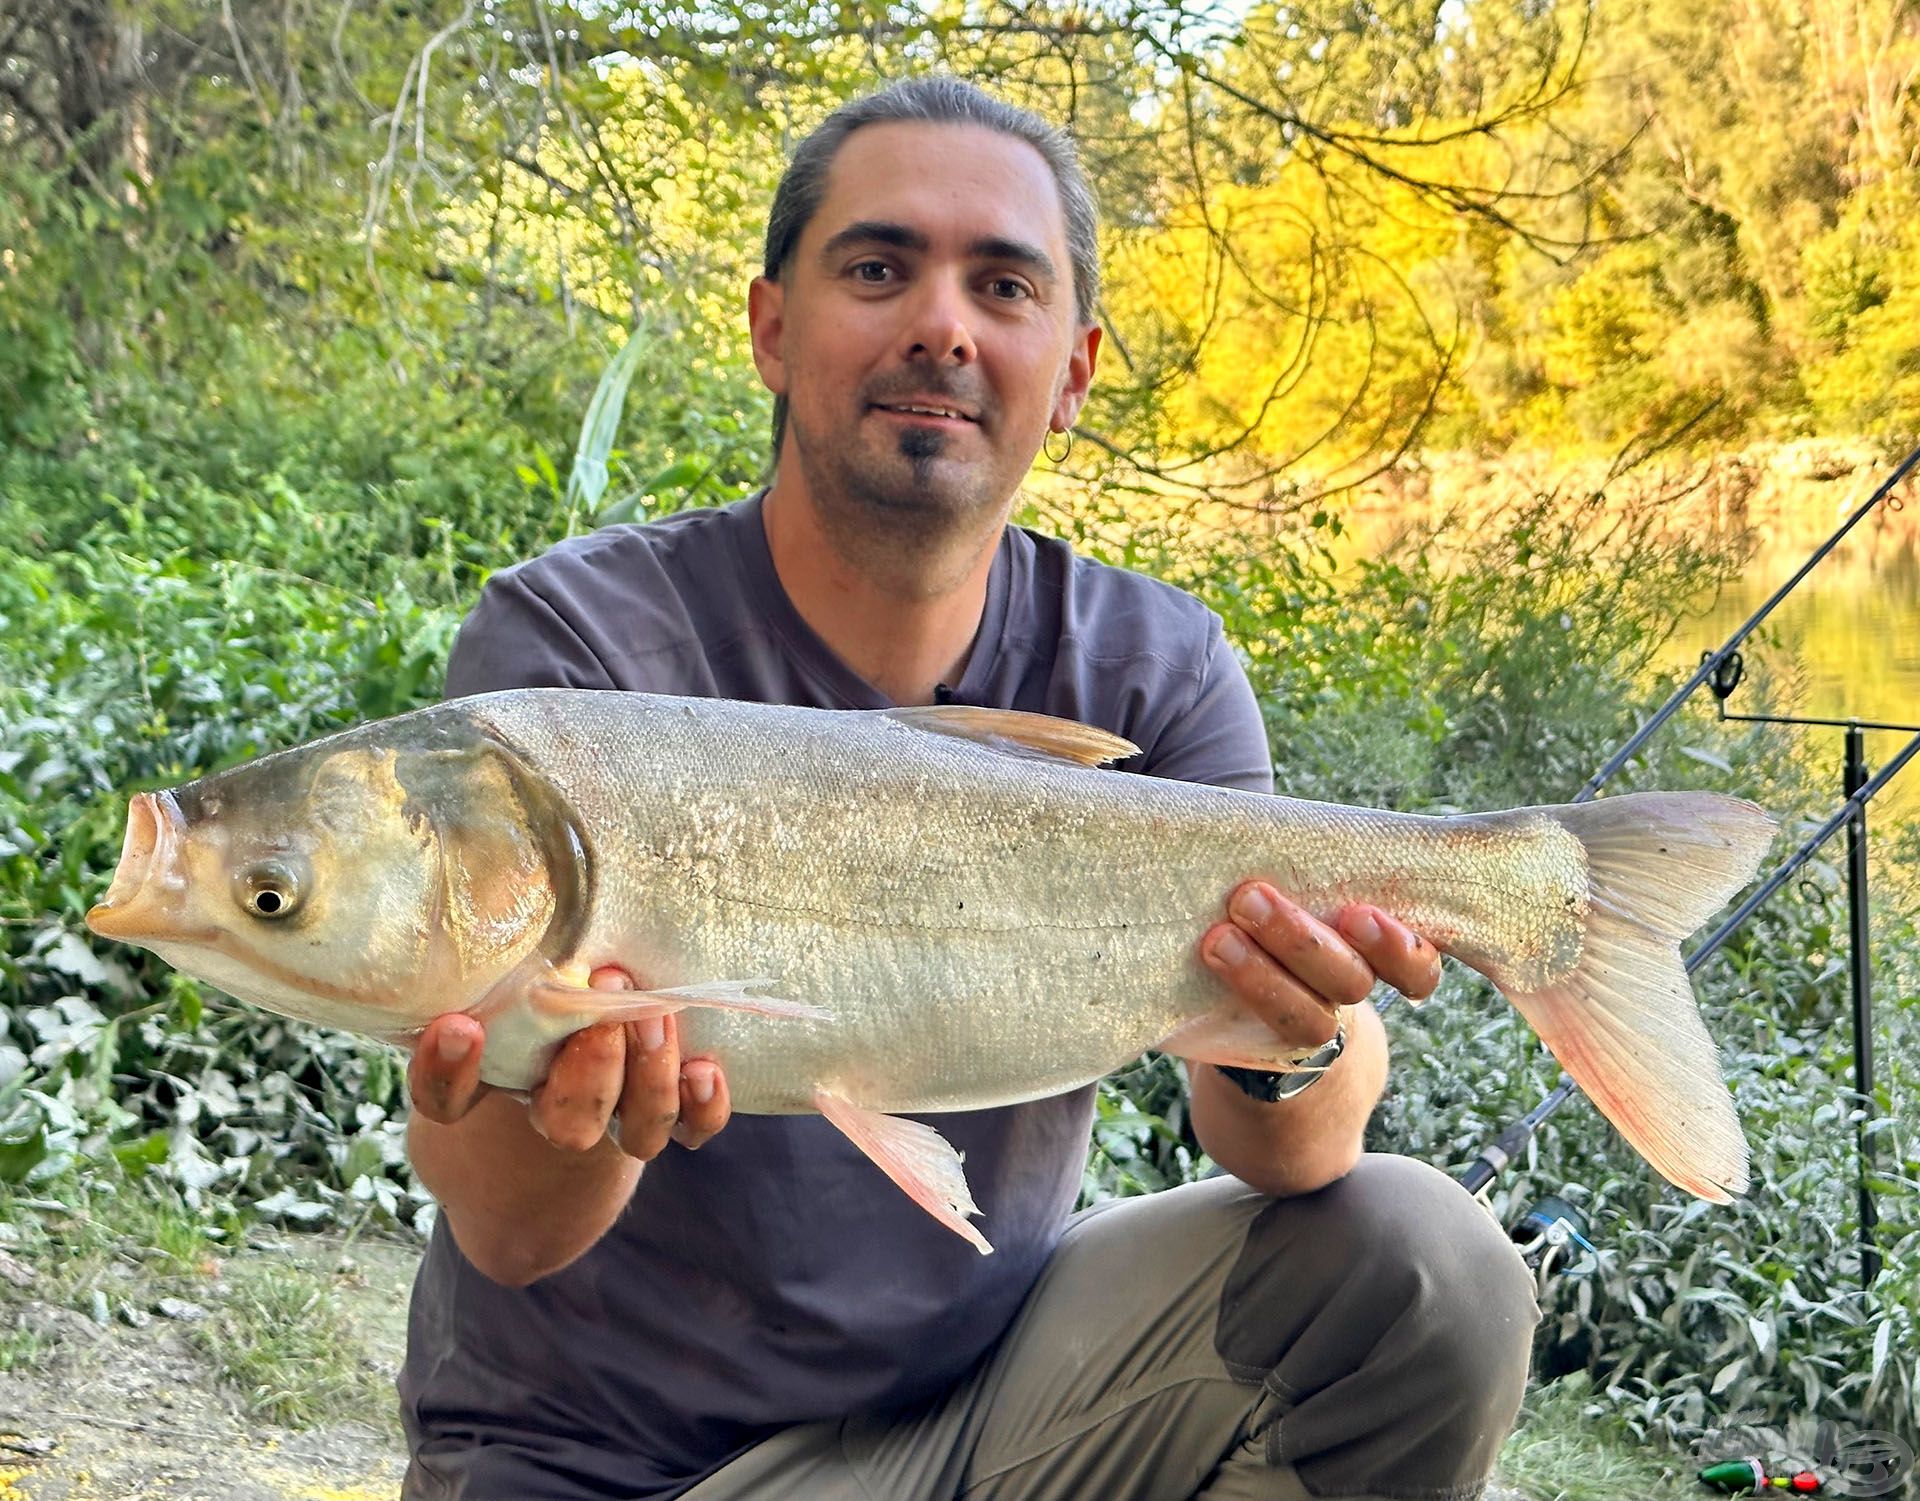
1723, 669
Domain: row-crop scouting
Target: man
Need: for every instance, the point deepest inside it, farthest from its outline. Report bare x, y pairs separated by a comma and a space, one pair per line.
631, 1295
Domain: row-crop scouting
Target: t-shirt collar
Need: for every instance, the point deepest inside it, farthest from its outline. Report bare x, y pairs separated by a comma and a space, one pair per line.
818, 661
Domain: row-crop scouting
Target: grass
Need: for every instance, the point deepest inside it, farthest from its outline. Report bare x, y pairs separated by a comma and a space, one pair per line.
274, 1330
279, 1337
20, 1349
1564, 1449
75, 1228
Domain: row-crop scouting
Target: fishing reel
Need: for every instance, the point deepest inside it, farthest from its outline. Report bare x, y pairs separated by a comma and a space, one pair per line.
1547, 1233
1551, 1234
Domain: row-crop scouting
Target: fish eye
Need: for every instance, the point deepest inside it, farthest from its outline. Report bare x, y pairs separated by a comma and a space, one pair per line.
268, 890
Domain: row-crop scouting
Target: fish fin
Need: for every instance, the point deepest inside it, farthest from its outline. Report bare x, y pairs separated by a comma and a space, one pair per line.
917, 1157
1037, 736
1670, 860
556, 998
1233, 1038
1624, 1023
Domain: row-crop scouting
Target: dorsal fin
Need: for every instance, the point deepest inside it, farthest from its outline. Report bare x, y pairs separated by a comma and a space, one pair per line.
1040, 736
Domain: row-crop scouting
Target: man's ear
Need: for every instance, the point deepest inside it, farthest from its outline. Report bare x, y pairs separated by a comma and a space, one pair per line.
1079, 381
766, 320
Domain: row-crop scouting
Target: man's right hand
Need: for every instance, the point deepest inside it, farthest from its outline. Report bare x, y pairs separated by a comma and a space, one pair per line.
625, 1072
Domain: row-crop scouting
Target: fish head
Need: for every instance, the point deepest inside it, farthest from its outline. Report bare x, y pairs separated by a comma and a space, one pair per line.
372, 880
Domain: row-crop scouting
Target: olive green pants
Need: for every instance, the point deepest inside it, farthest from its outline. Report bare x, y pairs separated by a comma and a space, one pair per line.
1366, 1341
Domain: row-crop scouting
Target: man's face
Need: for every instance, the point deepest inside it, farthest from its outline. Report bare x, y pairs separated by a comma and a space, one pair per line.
924, 332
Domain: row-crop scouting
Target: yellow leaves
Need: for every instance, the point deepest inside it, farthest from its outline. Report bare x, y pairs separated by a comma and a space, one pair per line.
1607, 317
1716, 347
1313, 310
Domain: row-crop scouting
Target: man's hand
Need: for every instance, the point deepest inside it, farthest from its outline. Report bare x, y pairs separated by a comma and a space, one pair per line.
625, 1072
1293, 970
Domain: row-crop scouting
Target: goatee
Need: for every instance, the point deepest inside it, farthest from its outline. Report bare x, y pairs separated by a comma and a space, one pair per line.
920, 446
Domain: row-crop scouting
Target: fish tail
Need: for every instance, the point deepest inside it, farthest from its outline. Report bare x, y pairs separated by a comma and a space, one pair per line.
1624, 1022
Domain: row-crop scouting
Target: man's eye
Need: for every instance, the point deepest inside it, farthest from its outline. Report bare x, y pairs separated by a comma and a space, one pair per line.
1008, 289
873, 273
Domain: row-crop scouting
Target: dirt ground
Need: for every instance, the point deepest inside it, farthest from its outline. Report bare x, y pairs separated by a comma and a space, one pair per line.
119, 1413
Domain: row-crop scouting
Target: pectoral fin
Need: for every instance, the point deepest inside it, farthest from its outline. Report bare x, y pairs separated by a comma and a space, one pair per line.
557, 999
917, 1157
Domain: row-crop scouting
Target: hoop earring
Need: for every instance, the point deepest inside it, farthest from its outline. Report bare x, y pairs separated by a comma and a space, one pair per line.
1047, 449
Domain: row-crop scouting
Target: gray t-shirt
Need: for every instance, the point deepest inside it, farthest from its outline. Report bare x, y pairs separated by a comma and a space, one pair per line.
774, 1277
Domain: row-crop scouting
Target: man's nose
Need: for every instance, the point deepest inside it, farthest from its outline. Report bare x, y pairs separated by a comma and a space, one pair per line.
940, 328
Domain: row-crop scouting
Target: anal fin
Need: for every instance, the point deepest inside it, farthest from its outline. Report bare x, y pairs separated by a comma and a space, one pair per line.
918, 1159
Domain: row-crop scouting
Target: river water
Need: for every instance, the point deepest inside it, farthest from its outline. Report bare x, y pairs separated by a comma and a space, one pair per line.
1845, 644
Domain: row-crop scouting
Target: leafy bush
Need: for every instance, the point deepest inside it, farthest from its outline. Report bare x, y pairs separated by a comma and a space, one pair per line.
126, 672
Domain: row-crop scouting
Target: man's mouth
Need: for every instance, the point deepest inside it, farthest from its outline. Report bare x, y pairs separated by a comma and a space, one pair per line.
929, 411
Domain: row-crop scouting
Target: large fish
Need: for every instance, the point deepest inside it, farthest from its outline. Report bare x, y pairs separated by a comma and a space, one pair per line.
919, 909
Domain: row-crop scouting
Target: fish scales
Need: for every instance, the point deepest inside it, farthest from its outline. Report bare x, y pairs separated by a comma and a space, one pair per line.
968, 917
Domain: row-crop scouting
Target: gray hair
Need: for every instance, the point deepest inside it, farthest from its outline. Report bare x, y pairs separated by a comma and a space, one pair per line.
938, 100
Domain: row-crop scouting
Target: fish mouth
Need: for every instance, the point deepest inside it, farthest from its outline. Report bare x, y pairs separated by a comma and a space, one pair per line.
141, 902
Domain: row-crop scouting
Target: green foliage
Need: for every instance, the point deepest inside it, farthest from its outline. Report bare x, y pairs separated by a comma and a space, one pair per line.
124, 672
1142, 1141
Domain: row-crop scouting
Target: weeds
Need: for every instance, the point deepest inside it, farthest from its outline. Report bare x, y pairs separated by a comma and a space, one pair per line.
280, 1338
1567, 1449
20, 1349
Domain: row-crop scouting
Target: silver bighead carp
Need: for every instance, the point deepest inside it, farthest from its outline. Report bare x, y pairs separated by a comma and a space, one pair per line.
868, 912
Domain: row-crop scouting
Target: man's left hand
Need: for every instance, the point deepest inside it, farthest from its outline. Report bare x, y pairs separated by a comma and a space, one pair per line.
1294, 970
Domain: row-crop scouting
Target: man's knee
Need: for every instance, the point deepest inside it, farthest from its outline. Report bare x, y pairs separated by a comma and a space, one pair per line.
1393, 1272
